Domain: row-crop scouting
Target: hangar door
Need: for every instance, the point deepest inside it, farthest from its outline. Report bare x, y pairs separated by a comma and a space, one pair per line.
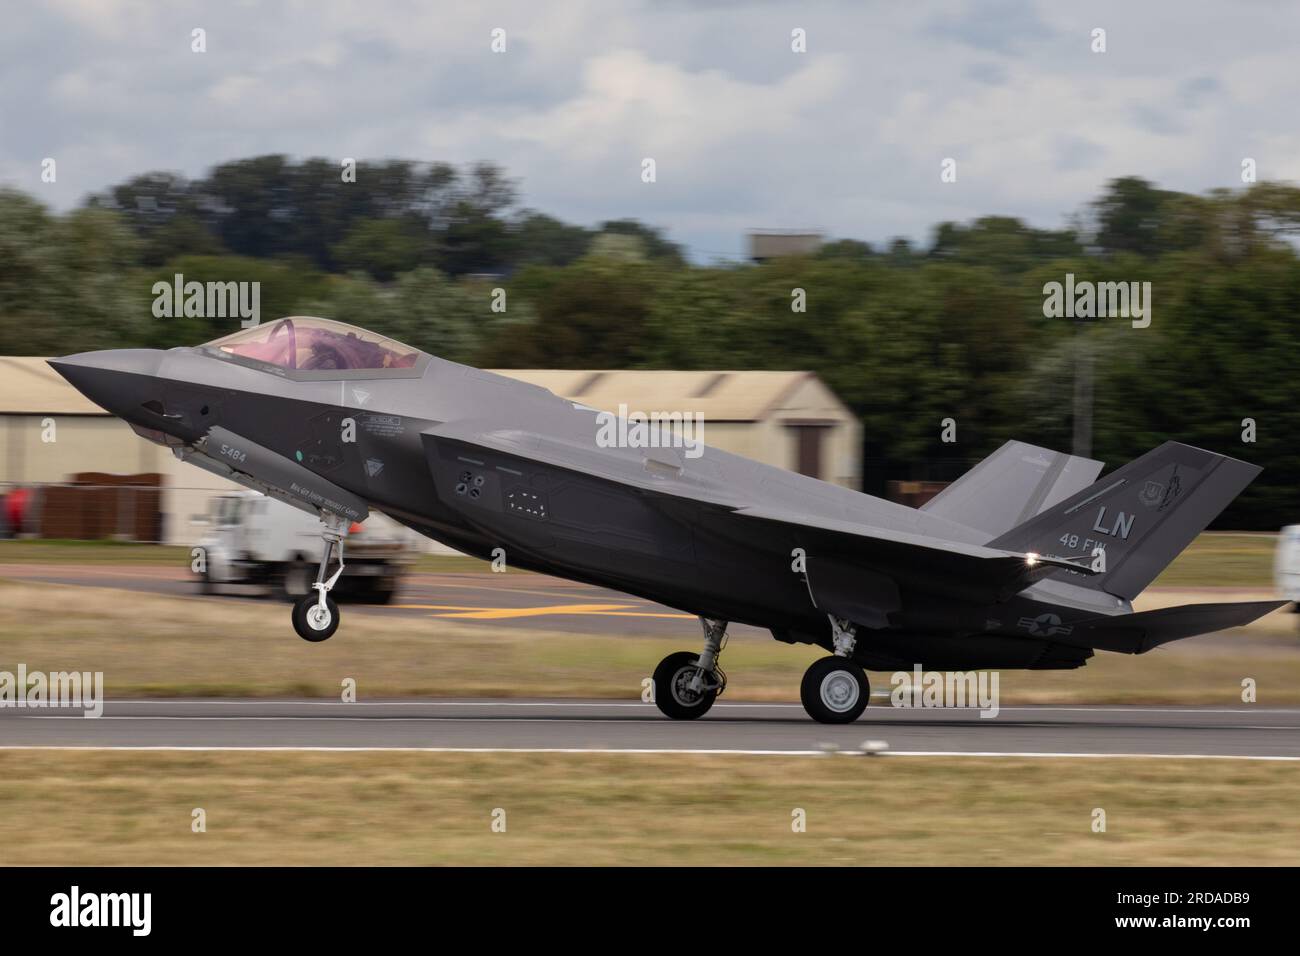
810, 439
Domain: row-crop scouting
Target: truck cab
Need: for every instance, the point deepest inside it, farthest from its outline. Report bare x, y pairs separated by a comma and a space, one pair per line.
255, 540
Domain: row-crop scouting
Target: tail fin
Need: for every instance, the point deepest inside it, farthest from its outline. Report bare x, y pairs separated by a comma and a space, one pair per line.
1012, 485
1141, 516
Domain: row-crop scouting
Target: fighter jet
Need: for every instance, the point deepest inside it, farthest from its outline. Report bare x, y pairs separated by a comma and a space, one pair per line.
1028, 561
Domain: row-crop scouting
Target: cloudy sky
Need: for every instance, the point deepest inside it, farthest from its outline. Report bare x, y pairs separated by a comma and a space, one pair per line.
847, 137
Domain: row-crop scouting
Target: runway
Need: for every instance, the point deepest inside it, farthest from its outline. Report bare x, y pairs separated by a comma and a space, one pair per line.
636, 727
492, 600
521, 600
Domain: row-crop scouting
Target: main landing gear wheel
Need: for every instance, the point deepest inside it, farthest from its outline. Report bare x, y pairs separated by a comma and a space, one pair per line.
686, 684
674, 694
834, 691
313, 622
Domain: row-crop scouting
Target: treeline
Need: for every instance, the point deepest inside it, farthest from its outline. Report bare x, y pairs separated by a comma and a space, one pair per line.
908, 336
380, 218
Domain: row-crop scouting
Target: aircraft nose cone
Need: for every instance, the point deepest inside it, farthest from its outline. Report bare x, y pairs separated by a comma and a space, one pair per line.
114, 379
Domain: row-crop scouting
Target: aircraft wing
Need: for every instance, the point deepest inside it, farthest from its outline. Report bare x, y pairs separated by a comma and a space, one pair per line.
840, 550
844, 557
657, 470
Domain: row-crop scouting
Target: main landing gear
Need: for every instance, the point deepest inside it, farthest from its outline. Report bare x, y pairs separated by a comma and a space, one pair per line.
315, 615
834, 689
686, 684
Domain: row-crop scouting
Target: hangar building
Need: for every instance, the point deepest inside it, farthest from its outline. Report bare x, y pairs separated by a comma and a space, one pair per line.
50, 433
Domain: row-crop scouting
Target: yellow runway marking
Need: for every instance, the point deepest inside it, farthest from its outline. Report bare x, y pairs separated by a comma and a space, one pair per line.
568, 592
682, 617
505, 613
438, 607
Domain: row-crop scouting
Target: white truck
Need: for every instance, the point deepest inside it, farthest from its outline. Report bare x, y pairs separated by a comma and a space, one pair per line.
1286, 565
253, 539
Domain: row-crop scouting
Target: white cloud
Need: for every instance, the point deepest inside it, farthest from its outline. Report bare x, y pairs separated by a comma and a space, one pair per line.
847, 137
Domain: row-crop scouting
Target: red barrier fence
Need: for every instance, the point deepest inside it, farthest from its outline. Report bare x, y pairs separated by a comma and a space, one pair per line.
92, 506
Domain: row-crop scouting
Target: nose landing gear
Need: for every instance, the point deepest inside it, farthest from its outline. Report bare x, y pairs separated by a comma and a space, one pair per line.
316, 615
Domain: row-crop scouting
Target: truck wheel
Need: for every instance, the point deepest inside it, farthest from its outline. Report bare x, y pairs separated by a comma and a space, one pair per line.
382, 592
295, 580
206, 584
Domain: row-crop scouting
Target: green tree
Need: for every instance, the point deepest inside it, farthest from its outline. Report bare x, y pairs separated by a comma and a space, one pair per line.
65, 281
384, 247
538, 239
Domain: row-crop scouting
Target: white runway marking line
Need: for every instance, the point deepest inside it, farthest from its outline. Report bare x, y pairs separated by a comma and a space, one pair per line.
391, 720
728, 705
497, 720
424, 703
653, 751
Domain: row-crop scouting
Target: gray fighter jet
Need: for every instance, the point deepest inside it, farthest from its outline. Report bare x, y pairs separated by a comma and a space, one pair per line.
1027, 561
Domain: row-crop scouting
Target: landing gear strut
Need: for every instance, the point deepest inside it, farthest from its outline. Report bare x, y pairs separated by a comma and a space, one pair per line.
835, 689
315, 615
686, 684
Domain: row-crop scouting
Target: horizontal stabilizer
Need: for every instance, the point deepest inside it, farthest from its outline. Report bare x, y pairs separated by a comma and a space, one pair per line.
1138, 633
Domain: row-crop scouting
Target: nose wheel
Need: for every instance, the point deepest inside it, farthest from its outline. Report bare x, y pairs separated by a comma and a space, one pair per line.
315, 622
316, 615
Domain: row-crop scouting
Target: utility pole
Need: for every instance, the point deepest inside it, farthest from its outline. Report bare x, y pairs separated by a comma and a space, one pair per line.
1082, 391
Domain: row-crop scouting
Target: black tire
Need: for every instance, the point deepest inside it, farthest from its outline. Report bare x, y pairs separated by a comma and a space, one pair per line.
672, 697
307, 623
206, 584
295, 580
383, 593
834, 690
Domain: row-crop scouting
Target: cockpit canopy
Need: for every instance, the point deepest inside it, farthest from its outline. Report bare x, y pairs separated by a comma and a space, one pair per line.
308, 344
